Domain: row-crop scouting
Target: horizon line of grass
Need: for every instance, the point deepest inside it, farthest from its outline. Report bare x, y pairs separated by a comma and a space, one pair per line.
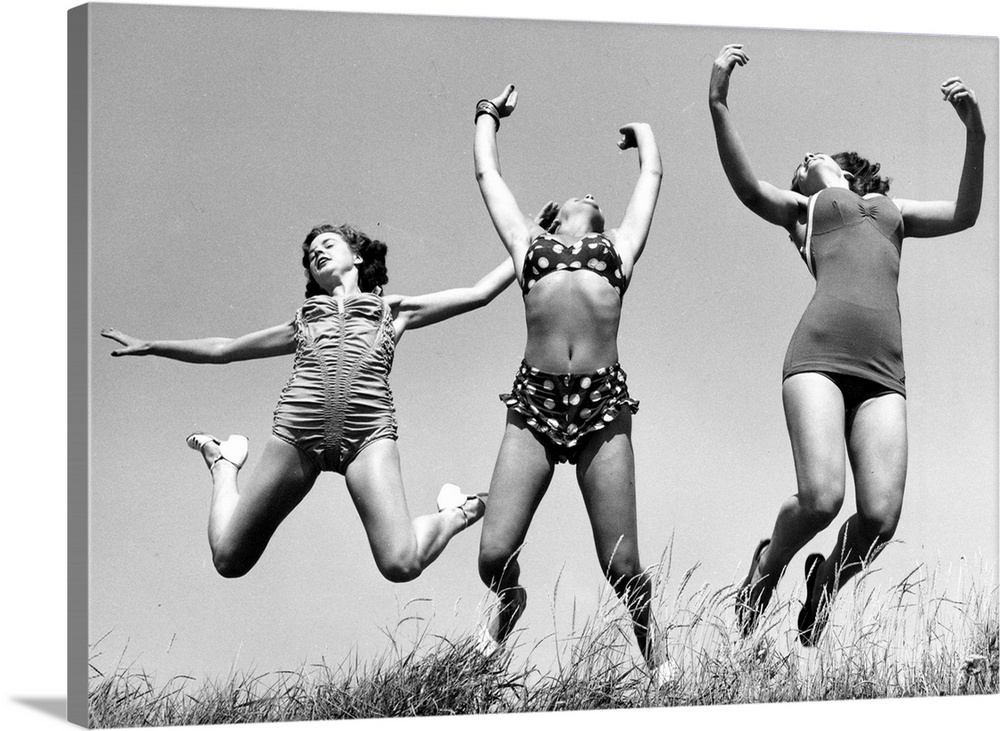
905, 640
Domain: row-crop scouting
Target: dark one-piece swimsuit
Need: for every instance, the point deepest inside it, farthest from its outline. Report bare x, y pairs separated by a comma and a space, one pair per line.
851, 331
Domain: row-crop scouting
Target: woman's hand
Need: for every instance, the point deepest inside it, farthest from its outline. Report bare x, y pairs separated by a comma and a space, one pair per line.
630, 134
133, 346
963, 99
778, 206
722, 69
547, 215
923, 219
278, 340
513, 226
505, 101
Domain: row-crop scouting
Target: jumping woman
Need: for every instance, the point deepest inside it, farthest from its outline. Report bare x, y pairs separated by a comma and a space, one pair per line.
843, 380
569, 402
336, 411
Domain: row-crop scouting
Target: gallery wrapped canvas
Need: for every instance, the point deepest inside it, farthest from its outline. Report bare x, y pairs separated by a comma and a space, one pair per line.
674, 363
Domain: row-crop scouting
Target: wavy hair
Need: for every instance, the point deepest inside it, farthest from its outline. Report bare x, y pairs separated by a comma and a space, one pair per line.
865, 178
372, 272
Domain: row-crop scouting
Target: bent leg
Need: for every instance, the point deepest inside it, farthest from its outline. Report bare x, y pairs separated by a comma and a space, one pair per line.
402, 547
241, 522
814, 414
521, 476
877, 446
606, 473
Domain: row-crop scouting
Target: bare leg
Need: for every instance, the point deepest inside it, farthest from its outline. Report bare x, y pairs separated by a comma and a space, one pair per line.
402, 547
877, 446
814, 413
521, 476
606, 473
241, 522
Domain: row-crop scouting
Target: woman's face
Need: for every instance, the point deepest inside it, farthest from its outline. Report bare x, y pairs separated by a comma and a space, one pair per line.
330, 257
816, 172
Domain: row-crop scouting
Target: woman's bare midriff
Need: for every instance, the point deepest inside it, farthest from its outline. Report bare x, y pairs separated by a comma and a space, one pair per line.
572, 321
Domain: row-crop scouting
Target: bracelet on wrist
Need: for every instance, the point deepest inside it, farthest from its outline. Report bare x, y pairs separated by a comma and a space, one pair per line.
485, 106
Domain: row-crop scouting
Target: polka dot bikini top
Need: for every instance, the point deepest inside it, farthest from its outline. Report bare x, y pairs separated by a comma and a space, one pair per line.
594, 252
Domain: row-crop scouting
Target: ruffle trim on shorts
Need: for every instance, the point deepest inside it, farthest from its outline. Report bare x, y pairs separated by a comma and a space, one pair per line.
565, 408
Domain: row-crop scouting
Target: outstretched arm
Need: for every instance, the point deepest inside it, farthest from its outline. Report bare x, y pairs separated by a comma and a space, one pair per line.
426, 309
630, 237
938, 218
279, 340
780, 207
512, 225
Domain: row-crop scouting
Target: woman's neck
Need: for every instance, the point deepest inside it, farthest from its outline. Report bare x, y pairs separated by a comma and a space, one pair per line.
345, 284
833, 180
343, 289
576, 227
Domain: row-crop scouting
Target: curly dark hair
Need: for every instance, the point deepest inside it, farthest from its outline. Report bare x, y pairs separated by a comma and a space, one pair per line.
372, 272
865, 178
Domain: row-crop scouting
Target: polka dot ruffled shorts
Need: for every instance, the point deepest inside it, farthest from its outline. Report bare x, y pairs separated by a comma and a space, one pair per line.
566, 407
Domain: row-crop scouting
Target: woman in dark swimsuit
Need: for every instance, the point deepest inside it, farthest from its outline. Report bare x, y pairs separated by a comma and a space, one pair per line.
569, 402
335, 413
843, 372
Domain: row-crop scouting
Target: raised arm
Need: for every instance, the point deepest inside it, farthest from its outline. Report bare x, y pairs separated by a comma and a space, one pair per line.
512, 225
939, 218
630, 237
279, 340
780, 207
411, 312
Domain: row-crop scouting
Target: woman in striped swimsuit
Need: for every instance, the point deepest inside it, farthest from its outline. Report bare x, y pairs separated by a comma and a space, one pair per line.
335, 413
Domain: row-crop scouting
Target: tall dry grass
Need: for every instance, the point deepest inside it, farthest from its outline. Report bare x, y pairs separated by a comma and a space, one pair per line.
904, 640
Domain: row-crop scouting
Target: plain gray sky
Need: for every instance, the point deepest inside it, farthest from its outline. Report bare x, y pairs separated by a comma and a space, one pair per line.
952, 419
222, 136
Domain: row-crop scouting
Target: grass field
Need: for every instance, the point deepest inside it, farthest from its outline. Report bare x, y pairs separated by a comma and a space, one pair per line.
905, 640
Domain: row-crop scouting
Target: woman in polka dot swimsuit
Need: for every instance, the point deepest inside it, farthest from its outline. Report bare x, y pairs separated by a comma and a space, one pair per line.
569, 402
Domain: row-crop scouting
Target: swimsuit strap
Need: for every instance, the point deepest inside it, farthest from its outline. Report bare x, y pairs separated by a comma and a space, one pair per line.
807, 247
806, 250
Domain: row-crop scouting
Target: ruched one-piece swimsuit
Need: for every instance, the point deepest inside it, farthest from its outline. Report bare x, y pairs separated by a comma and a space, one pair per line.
852, 324
565, 407
337, 400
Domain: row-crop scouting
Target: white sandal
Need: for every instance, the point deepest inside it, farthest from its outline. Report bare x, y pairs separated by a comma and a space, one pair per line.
234, 450
666, 675
451, 496
486, 641
486, 644
663, 672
